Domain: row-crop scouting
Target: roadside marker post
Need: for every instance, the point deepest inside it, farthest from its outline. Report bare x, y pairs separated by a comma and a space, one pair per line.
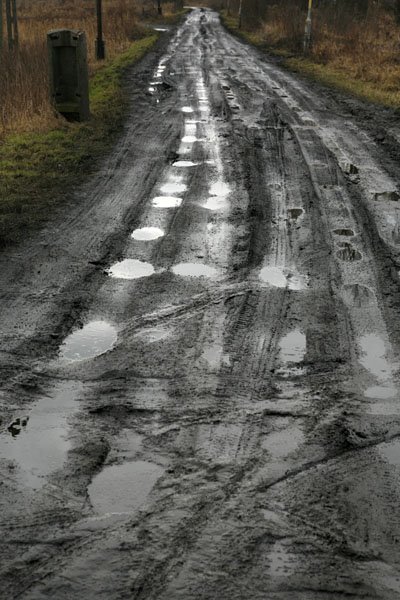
308, 27
12, 24
1, 24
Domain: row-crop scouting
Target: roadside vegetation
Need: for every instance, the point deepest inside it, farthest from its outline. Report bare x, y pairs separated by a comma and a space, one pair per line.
41, 154
355, 43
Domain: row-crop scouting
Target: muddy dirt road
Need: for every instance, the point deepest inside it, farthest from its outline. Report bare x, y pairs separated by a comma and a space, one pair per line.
199, 359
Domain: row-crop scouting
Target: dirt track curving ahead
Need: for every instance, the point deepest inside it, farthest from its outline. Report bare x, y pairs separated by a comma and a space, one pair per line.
199, 359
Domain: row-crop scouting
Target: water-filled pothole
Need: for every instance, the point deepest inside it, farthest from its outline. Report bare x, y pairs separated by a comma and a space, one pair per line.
381, 392
131, 268
41, 445
93, 339
358, 295
173, 188
295, 213
373, 356
195, 270
348, 253
123, 488
147, 234
166, 201
345, 232
187, 109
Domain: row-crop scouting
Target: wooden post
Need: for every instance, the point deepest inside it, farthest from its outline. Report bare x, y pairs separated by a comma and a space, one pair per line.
100, 46
15, 22
159, 7
9, 24
240, 14
1, 24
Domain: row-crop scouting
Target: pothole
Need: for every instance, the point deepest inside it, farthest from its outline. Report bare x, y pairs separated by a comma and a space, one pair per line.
153, 334
358, 295
147, 234
295, 213
40, 447
186, 109
131, 268
348, 168
195, 270
166, 201
348, 253
123, 488
93, 339
380, 392
344, 232
189, 139
173, 188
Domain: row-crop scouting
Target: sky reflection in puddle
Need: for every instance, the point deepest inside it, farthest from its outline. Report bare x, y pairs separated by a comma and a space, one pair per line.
195, 270
147, 233
166, 201
131, 268
93, 339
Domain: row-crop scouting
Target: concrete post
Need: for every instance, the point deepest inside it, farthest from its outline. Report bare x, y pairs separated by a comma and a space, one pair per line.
69, 79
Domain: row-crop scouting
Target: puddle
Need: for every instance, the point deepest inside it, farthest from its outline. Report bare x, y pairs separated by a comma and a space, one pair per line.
215, 203
195, 270
344, 232
166, 201
390, 452
373, 356
295, 213
280, 277
131, 268
184, 163
153, 334
41, 446
293, 347
348, 253
160, 29
187, 109
281, 444
274, 276
358, 295
219, 188
380, 392
123, 488
189, 139
93, 339
147, 233
173, 188
392, 196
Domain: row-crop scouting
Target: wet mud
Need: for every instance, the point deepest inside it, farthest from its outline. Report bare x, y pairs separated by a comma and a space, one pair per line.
200, 358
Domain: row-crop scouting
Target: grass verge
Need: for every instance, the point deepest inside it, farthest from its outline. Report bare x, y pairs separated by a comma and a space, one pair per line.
328, 73
36, 168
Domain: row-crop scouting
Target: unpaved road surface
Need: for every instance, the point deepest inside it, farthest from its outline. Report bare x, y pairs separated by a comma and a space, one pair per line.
199, 358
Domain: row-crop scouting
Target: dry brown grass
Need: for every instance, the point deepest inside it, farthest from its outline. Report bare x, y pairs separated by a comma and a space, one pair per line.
24, 98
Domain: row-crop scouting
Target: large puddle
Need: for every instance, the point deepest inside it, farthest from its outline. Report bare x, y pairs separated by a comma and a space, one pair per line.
166, 202
131, 268
123, 488
373, 358
284, 442
293, 347
281, 277
93, 339
195, 270
147, 233
38, 444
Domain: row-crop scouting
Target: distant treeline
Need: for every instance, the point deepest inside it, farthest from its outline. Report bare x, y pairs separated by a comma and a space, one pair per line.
256, 11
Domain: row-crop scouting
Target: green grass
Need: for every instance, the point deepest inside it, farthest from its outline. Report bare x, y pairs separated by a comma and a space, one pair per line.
37, 168
329, 75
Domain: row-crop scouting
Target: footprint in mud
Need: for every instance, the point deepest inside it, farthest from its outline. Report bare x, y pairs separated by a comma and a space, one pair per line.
348, 253
358, 295
344, 232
